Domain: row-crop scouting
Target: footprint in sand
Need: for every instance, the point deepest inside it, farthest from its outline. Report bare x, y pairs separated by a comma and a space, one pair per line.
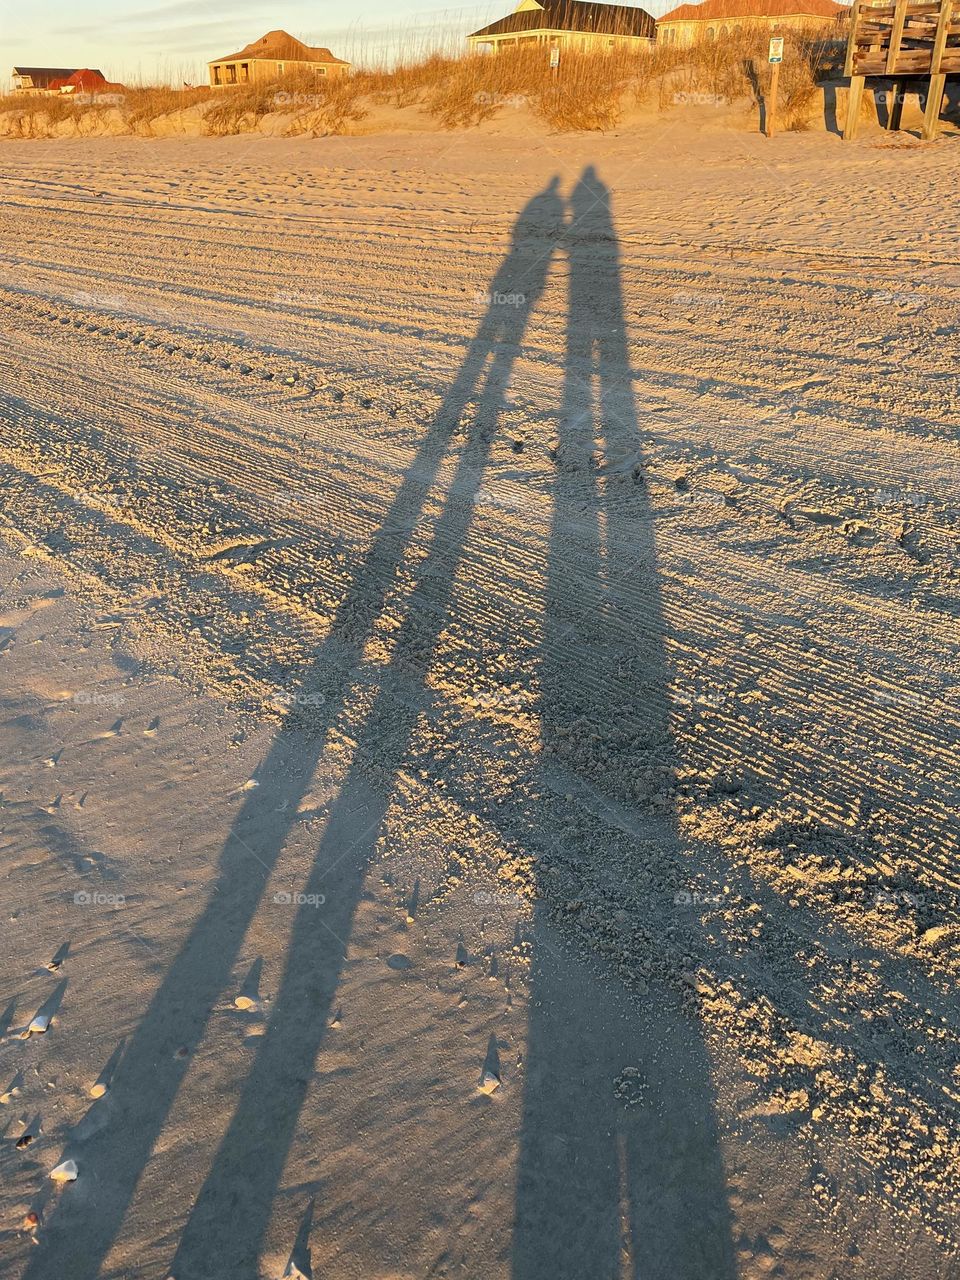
399, 961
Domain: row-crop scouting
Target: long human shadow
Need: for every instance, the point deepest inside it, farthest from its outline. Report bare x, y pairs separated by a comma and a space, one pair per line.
604, 1188
226, 1228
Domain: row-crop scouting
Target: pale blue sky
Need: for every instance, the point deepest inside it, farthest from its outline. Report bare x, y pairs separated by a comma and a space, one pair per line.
173, 39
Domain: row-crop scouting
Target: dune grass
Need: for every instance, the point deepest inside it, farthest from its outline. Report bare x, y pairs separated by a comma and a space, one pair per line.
588, 91
592, 90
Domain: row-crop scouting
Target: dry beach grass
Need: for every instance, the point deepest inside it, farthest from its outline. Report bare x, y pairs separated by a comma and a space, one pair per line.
587, 92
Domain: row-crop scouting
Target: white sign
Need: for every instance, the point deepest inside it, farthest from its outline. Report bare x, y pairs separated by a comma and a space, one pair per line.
776, 49
555, 56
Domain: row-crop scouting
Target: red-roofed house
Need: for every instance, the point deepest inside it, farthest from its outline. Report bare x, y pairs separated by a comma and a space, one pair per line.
84, 81
717, 19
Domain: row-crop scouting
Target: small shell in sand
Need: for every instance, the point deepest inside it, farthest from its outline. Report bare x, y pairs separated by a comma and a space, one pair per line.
37, 1027
489, 1083
66, 1171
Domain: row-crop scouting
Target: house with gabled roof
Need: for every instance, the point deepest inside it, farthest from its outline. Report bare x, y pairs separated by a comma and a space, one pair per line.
273, 56
40, 79
718, 19
577, 25
85, 81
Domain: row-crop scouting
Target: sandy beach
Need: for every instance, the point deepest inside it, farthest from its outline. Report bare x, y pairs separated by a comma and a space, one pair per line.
479, 707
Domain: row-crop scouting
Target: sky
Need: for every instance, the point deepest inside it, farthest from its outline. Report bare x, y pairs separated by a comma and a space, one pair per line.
172, 40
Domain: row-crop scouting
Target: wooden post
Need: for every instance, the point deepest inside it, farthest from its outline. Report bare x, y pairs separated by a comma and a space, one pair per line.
854, 98
931, 117
852, 42
938, 81
895, 108
774, 57
772, 99
896, 35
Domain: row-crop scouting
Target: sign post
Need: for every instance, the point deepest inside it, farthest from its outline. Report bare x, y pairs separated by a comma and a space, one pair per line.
774, 57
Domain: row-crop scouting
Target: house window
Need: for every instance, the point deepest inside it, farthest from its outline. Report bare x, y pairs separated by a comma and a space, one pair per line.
279, 68
321, 71
710, 33
231, 73
244, 72
218, 75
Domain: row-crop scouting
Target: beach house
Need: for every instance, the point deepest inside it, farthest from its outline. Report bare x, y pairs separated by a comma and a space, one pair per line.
274, 55
580, 25
718, 19
39, 79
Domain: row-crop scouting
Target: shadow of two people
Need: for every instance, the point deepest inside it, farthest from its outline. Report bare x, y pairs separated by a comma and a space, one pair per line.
595, 1187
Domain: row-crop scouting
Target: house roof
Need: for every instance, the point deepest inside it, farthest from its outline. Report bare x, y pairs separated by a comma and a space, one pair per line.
575, 15
281, 47
41, 76
720, 9
84, 81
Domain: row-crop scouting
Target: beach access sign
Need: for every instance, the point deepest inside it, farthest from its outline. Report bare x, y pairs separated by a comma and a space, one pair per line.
776, 49
555, 56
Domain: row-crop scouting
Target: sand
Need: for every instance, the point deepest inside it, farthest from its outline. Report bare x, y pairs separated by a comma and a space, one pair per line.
479, 722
